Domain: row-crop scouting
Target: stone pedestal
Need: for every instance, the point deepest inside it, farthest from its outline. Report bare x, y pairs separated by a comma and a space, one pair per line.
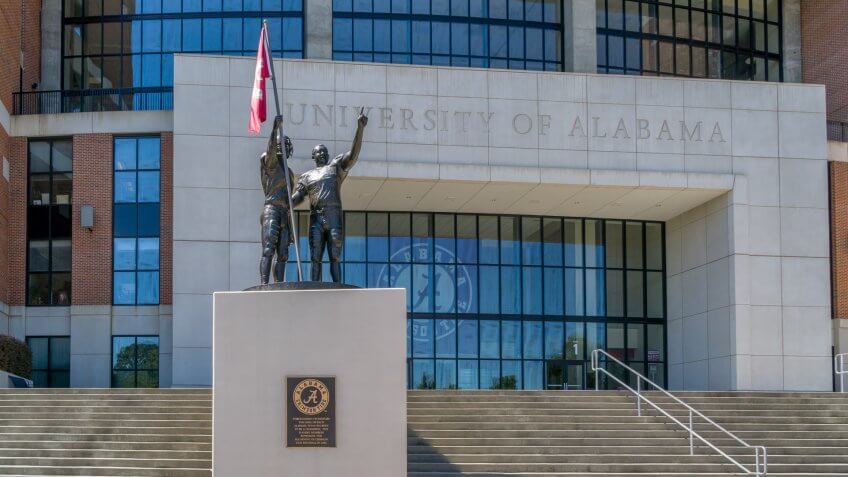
357, 336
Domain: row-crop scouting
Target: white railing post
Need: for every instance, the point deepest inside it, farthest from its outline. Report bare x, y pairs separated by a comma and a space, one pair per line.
691, 435
639, 395
839, 370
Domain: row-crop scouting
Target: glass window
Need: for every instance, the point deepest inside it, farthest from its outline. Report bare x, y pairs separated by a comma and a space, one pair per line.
135, 262
687, 34
50, 188
456, 33
135, 361
51, 361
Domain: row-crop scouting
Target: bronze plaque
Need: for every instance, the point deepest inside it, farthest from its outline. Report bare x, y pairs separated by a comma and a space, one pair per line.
310, 411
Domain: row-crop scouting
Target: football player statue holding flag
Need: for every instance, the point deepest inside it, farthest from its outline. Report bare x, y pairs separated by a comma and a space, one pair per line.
279, 227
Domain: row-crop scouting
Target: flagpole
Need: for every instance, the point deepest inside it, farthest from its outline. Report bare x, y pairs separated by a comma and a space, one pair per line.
285, 161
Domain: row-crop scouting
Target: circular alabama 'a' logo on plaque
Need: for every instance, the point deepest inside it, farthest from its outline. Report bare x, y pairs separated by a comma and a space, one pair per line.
311, 397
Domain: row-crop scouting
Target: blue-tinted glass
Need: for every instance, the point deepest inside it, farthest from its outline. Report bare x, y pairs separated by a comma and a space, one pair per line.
212, 34
151, 70
510, 339
400, 36
466, 289
479, 40
531, 241
148, 186
467, 330
423, 374
422, 288
252, 5
123, 288
354, 248
211, 5
516, 9
382, 35
125, 154
490, 374
292, 5
125, 186
532, 291
400, 6
171, 35
516, 42
125, 220
466, 239
151, 36
251, 33
510, 290
272, 5
551, 45
445, 338
497, 41
420, 37
275, 34
378, 275
445, 374
378, 242
232, 6
362, 5
497, 8
468, 374
421, 7
232, 34
148, 288
354, 274
362, 34
342, 34
478, 8
510, 375
135, 36
441, 38
148, 220
595, 296
148, 153
293, 33
124, 254
615, 51
191, 35
574, 291
171, 6
148, 253
459, 38
490, 339
535, 45
489, 289
532, 340
440, 7
488, 234
553, 294
445, 288
553, 339
533, 374
191, 5
422, 338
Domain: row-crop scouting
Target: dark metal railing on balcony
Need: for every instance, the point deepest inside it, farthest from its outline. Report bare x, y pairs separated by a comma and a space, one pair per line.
837, 131
79, 101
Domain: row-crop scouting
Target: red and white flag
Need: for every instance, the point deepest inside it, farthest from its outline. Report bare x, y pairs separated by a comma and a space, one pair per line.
258, 101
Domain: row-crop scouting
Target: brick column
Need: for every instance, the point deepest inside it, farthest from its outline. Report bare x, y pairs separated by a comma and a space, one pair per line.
91, 268
17, 220
4, 219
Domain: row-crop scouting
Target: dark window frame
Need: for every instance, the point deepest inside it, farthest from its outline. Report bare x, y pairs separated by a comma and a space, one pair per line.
50, 370
49, 207
135, 368
137, 236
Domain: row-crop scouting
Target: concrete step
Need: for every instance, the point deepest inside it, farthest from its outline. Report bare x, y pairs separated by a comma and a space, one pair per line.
104, 471
641, 423
28, 451
616, 457
629, 449
99, 437
158, 463
102, 445
629, 433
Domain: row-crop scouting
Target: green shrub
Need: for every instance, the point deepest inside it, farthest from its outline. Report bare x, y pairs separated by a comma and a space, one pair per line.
15, 357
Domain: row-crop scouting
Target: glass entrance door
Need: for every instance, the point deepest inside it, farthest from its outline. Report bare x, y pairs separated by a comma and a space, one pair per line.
563, 375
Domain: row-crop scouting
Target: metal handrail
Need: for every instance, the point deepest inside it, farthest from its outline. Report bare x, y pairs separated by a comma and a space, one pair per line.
760, 468
840, 369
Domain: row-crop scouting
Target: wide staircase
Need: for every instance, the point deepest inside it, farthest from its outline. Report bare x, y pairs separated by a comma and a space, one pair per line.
113, 432
451, 433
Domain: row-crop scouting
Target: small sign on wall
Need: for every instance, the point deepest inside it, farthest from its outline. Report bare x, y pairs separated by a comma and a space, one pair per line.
310, 411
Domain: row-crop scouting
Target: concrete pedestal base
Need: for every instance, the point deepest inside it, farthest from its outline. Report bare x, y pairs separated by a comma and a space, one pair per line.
356, 335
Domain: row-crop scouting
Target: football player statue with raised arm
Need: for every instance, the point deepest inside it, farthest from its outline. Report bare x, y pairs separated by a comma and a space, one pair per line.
323, 187
276, 229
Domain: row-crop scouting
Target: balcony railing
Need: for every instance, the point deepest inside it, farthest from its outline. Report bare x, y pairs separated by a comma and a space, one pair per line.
837, 131
113, 99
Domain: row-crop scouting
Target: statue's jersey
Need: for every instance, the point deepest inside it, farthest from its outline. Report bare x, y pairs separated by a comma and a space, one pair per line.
274, 182
323, 184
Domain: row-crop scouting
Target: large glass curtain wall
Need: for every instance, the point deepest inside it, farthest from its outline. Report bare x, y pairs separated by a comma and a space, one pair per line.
515, 34
730, 39
130, 43
514, 302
